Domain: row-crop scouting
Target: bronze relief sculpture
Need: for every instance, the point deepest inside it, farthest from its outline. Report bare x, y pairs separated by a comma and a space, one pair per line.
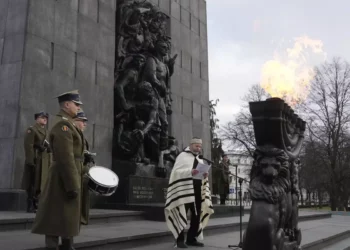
142, 85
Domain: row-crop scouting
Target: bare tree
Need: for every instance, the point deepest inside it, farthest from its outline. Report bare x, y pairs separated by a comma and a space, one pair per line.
239, 132
328, 118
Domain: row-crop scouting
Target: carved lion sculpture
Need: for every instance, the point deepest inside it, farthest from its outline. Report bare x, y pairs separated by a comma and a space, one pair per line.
271, 200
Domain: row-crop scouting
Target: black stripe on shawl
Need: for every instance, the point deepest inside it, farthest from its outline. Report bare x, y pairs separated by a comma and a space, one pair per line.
172, 222
184, 179
187, 189
168, 191
182, 218
179, 197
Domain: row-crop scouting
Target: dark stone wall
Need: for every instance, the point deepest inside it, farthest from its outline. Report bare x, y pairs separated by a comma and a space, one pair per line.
48, 47
190, 83
52, 47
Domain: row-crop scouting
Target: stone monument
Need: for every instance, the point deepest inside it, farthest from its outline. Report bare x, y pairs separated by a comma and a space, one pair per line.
274, 189
100, 47
144, 148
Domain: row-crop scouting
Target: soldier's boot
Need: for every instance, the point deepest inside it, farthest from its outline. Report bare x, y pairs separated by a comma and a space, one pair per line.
51, 242
67, 244
30, 206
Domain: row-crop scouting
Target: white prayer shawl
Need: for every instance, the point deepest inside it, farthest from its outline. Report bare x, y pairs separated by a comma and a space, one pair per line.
181, 191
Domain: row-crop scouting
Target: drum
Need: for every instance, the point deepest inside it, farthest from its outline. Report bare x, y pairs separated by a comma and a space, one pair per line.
102, 181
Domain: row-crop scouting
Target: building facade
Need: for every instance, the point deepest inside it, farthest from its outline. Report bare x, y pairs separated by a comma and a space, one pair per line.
241, 165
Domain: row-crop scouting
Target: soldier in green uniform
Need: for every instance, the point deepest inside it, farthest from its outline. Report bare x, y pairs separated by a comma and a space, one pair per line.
81, 122
37, 160
224, 179
59, 211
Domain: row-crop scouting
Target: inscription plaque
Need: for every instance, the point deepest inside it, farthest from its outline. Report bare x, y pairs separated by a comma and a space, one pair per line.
147, 189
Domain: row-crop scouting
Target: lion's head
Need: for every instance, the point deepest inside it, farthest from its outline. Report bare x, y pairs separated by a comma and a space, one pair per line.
270, 178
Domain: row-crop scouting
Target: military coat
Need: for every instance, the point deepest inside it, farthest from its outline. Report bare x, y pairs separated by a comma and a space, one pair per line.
37, 158
58, 214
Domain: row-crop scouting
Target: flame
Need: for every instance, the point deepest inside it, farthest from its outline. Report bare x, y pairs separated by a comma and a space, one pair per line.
289, 78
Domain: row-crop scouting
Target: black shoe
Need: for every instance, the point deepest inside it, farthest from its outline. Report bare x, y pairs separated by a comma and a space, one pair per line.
181, 245
195, 244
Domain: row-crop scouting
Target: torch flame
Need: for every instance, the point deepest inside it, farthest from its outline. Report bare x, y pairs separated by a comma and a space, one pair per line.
290, 79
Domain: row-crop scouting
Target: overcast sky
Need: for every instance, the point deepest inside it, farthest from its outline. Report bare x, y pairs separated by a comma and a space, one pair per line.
243, 34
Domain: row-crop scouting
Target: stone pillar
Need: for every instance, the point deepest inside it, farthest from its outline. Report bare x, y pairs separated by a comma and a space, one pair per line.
48, 47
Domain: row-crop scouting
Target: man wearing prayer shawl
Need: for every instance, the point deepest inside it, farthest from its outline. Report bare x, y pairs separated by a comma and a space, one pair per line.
188, 194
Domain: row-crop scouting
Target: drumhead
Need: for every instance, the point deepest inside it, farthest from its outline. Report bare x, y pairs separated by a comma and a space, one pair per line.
104, 176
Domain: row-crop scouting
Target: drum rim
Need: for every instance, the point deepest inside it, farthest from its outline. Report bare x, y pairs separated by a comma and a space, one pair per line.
101, 184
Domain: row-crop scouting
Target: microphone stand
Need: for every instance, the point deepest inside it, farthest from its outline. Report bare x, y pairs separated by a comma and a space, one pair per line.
240, 181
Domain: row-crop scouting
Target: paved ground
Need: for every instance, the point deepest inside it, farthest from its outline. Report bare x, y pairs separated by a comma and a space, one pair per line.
311, 231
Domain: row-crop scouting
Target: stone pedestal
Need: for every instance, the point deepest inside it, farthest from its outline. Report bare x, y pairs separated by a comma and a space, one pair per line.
12, 200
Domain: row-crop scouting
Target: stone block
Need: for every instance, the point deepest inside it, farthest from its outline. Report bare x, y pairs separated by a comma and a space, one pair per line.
88, 37
206, 141
194, 24
185, 4
66, 26
205, 115
185, 17
187, 107
88, 95
176, 103
186, 130
38, 51
72, 4
175, 81
110, 3
18, 164
203, 50
196, 68
13, 48
176, 50
164, 5
197, 128
196, 89
2, 40
186, 39
103, 157
205, 93
106, 46
197, 111
104, 75
89, 9
12, 200
41, 18
64, 61
10, 83
6, 159
106, 16
175, 10
103, 138
203, 30
86, 70
195, 46
186, 61
16, 16
202, 7
104, 103
194, 6
3, 16
204, 71
186, 86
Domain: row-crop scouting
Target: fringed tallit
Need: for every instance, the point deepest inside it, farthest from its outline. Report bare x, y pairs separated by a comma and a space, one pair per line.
180, 192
